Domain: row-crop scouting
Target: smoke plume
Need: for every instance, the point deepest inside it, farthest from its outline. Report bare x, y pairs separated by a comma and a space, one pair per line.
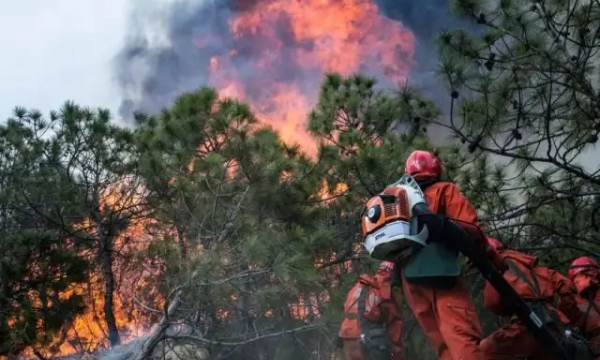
273, 53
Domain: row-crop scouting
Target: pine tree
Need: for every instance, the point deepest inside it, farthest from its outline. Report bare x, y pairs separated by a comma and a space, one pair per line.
246, 243
39, 260
525, 92
71, 178
97, 157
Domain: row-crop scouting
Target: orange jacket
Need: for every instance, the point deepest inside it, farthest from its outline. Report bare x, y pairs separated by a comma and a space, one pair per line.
588, 301
589, 321
380, 302
549, 284
445, 198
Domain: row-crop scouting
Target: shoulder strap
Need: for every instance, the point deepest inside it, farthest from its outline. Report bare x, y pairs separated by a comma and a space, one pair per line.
361, 291
424, 184
362, 305
586, 315
535, 286
362, 308
592, 301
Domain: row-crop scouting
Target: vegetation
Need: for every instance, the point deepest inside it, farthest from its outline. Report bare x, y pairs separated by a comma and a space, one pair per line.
201, 220
525, 94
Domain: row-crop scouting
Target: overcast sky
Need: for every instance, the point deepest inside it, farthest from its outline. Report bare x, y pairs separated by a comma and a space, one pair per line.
55, 50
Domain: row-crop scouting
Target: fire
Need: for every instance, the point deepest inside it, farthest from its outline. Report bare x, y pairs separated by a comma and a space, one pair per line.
87, 332
329, 195
282, 48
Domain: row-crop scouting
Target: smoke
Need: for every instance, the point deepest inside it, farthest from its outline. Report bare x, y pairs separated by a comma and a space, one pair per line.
123, 351
162, 56
426, 19
159, 59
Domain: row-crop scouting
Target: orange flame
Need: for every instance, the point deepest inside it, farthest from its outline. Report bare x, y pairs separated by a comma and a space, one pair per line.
320, 36
325, 35
87, 332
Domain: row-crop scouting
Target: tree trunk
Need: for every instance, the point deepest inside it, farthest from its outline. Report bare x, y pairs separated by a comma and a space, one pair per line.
181, 242
109, 283
157, 336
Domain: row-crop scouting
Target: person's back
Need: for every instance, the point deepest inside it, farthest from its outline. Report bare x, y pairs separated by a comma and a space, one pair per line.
372, 327
536, 284
446, 313
584, 273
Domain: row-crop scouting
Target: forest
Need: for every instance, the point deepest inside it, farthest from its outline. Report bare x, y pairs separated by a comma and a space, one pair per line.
200, 228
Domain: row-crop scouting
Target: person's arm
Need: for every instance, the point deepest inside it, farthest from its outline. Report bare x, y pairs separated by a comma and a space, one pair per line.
459, 209
493, 301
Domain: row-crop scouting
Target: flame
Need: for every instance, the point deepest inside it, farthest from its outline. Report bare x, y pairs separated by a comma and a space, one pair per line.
134, 286
328, 195
282, 48
87, 332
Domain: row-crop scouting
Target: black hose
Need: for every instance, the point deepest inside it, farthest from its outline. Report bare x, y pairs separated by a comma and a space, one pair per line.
440, 227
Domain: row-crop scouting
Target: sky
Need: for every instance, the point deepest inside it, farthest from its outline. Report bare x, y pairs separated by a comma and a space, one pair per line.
59, 50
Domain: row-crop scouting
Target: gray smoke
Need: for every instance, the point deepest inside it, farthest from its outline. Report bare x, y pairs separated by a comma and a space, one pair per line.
160, 59
426, 19
122, 352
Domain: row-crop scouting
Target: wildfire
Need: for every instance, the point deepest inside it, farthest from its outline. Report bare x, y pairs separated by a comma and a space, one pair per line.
87, 332
328, 195
282, 48
280, 51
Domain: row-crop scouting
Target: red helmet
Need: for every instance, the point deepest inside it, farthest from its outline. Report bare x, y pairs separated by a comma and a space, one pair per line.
493, 244
423, 162
581, 264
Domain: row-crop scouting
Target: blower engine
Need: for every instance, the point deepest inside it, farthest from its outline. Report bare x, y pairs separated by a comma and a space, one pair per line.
398, 221
389, 224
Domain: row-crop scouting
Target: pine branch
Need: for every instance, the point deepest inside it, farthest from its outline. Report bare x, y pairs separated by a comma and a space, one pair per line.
171, 306
348, 256
205, 341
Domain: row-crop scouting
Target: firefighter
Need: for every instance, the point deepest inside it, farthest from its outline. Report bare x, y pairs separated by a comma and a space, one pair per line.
372, 328
444, 310
539, 286
584, 273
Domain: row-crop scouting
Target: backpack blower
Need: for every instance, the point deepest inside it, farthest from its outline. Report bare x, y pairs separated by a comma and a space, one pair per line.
397, 222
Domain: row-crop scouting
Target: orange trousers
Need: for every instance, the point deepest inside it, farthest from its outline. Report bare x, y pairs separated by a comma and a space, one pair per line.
448, 318
352, 350
513, 341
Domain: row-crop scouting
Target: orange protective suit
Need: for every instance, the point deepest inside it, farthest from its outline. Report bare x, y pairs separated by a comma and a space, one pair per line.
589, 322
533, 283
448, 316
380, 306
585, 275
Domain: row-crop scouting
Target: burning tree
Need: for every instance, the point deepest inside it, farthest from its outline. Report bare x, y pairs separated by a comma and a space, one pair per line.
525, 92
240, 259
39, 260
362, 130
74, 192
